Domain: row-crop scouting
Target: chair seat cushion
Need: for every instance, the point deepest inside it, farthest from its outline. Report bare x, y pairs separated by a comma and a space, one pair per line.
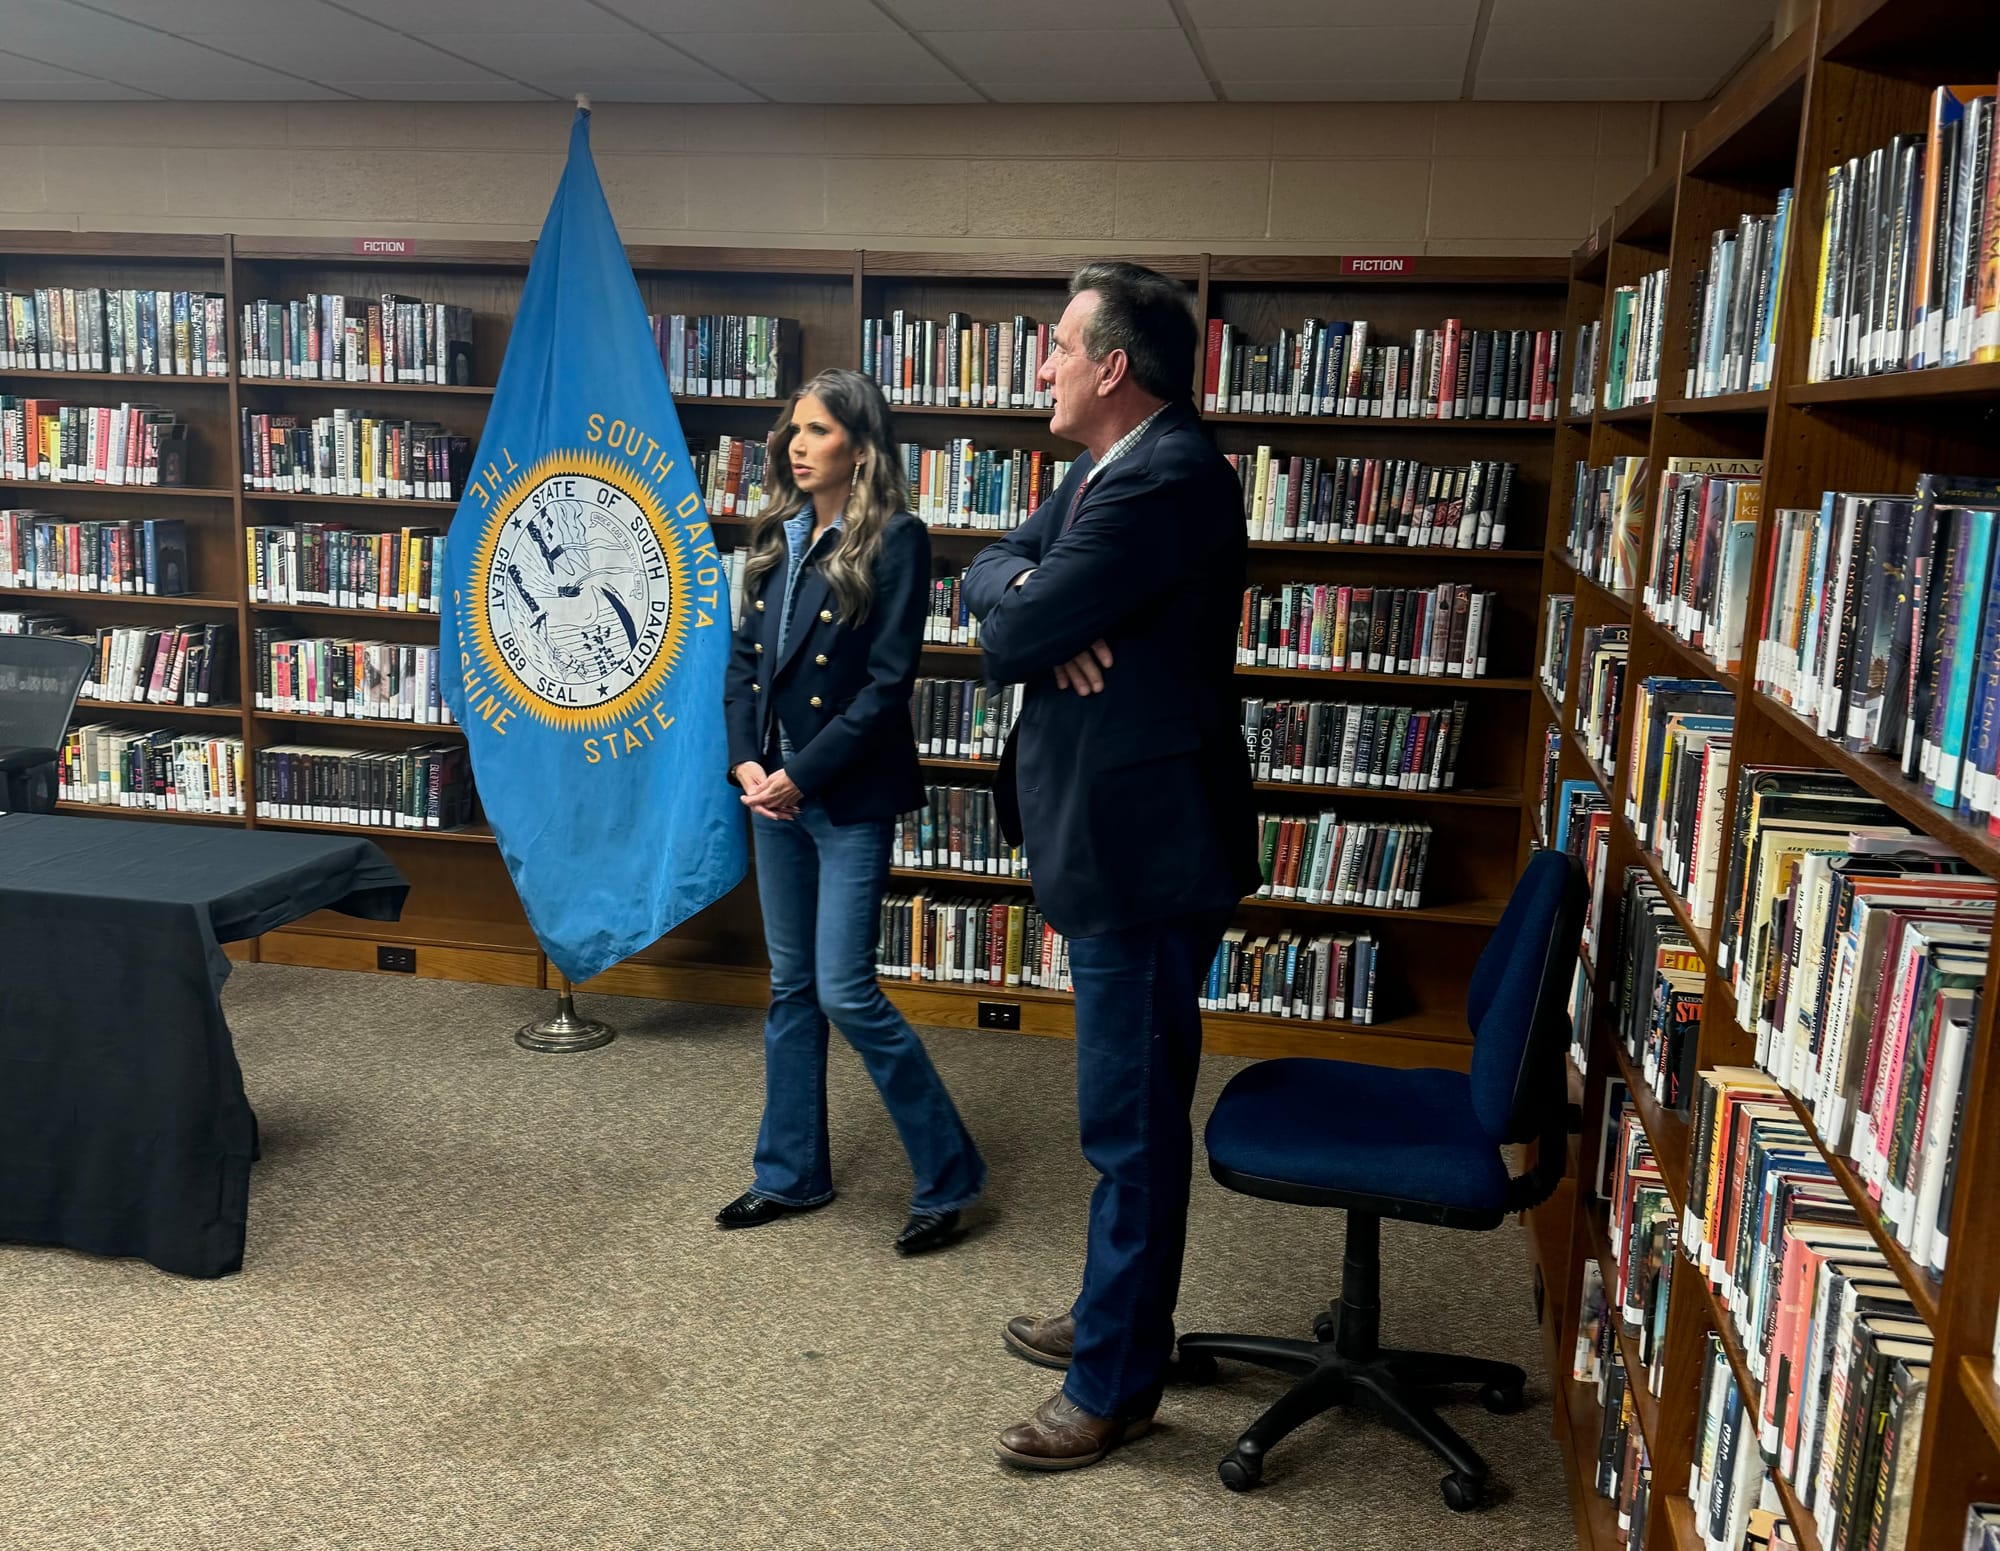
1373, 1130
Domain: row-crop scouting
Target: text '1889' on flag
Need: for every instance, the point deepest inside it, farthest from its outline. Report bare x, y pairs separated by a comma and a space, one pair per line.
587, 611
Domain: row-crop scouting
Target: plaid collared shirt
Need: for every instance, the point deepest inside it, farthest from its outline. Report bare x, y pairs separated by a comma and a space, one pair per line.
1123, 445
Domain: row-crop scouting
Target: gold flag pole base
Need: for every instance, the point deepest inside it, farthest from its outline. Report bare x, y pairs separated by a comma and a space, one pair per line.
565, 1032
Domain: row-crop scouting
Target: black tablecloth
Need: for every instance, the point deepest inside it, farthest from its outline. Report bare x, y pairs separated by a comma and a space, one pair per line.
124, 1129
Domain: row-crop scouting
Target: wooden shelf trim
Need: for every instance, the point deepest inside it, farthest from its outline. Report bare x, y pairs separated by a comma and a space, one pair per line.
142, 599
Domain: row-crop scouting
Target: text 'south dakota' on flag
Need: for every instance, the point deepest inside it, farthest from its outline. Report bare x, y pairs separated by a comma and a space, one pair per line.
587, 612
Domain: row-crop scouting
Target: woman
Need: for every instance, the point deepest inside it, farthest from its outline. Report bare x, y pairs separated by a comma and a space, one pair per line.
818, 704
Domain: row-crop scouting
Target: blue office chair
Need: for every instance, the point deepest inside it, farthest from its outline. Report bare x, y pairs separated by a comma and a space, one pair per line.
1419, 1145
39, 679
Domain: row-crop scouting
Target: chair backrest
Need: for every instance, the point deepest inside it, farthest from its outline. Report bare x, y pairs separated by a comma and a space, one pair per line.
39, 679
1518, 1002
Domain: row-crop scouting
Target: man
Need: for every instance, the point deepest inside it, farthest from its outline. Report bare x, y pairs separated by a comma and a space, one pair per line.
1127, 781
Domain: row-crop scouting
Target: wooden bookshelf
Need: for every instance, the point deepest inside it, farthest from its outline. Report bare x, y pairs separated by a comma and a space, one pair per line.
1483, 824
1853, 74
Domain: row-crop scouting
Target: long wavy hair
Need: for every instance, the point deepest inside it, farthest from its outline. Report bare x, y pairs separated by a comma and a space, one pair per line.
879, 491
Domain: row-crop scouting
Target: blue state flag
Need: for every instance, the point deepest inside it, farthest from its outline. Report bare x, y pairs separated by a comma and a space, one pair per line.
586, 612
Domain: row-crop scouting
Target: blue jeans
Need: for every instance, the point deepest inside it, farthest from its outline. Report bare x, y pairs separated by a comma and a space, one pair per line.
1138, 1048
820, 885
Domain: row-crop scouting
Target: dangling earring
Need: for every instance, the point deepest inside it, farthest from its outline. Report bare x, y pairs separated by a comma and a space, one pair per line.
853, 483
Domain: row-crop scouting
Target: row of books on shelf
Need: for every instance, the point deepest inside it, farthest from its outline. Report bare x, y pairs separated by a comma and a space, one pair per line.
1834, 1346
425, 787
1557, 620
957, 830
1622, 1471
1343, 368
727, 355
958, 361
1641, 1232
1603, 652
189, 664
349, 452
335, 676
1661, 983
333, 566
1636, 323
1679, 780
1732, 1492
1583, 377
1335, 743
1388, 501
1733, 314
1856, 952
960, 940
46, 552
93, 328
964, 718
1908, 272
1440, 631
111, 765
1318, 977
1881, 627
1697, 581
1322, 859
960, 486
1607, 510
45, 440
385, 338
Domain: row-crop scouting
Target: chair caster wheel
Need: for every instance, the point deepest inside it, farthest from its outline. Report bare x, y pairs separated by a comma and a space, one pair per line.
1502, 1399
1323, 1327
1195, 1368
1239, 1471
1463, 1493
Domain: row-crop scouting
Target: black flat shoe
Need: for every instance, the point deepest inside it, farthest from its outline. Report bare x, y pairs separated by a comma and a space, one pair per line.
751, 1210
926, 1231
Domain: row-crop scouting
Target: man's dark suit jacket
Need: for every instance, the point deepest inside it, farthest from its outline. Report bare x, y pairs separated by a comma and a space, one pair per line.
1135, 803
841, 690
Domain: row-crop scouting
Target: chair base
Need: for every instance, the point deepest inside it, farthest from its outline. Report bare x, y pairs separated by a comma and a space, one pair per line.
1391, 1383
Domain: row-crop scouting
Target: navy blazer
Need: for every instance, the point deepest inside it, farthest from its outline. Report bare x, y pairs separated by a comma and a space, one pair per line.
1134, 804
840, 691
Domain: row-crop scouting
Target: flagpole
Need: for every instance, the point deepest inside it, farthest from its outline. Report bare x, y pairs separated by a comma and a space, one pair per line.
565, 1032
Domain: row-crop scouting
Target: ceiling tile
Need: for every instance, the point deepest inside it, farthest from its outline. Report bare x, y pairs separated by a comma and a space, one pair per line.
1321, 89
945, 89
266, 87
440, 91
800, 58
1338, 53
13, 67
1220, 14
1031, 15
92, 43
713, 90
1585, 40
424, 17
186, 16
1044, 89
1154, 54
367, 52
76, 89
634, 61
771, 16
1681, 88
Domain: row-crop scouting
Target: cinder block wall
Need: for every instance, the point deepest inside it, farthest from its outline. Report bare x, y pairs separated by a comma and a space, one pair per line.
1448, 177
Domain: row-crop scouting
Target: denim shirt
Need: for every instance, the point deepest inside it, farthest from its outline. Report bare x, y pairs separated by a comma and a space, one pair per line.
799, 545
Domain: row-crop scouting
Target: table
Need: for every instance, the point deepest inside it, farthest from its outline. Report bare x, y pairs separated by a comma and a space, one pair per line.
124, 1128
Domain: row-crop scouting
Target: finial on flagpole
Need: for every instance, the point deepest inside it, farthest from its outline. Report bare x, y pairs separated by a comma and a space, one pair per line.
583, 101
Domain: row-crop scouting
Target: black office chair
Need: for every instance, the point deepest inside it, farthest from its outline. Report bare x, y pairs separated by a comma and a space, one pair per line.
39, 679
1420, 1145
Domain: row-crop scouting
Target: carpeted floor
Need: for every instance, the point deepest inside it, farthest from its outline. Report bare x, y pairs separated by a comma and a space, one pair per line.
485, 1306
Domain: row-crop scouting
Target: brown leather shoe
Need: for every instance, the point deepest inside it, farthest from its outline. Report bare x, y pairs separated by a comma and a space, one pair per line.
1045, 1341
1062, 1436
